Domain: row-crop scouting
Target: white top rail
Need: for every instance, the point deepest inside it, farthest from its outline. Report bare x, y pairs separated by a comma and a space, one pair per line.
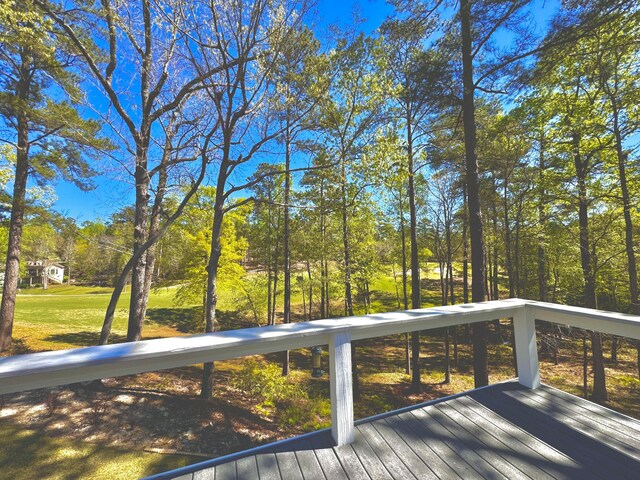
47, 369
614, 323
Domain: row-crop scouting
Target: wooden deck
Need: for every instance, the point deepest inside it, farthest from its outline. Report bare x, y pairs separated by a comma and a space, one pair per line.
503, 431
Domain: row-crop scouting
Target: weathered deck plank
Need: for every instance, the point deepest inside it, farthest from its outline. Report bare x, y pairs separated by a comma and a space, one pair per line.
504, 431
597, 460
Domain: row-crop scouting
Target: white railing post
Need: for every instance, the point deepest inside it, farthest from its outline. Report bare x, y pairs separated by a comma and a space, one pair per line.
342, 428
524, 326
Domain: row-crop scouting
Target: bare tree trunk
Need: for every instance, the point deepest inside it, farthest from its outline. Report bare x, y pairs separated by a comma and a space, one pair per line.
206, 391
416, 302
489, 277
507, 237
443, 283
154, 224
405, 296
274, 293
599, 382
276, 257
12, 265
347, 277
478, 294
269, 319
324, 290
614, 349
496, 291
455, 346
447, 360
304, 300
518, 262
287, 253
465, 249
542, 223
310, 291
136, 304
327, 288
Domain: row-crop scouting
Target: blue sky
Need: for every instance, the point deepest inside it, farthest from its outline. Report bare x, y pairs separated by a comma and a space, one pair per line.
112, 194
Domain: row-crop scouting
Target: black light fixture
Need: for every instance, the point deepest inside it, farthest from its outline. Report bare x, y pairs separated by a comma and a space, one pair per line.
316, 362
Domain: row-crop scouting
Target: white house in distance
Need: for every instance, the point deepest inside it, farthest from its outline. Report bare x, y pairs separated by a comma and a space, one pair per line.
42, 271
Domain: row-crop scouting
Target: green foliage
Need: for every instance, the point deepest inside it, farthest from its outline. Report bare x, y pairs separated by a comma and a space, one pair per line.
292, 405
46, 99
192, 233
265, 382
630, 382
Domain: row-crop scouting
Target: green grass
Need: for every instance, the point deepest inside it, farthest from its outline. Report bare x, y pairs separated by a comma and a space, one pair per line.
65, 290
27, 454
70, 316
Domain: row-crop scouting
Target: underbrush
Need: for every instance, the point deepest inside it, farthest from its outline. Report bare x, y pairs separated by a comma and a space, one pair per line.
283, 398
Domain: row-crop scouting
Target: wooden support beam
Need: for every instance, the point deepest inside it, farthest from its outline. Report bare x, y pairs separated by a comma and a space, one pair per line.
524, 326
341, 383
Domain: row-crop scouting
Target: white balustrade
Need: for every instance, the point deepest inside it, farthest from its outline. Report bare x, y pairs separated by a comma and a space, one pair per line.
47, 369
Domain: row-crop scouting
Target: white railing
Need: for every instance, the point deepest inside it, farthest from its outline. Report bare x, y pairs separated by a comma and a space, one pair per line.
47, 369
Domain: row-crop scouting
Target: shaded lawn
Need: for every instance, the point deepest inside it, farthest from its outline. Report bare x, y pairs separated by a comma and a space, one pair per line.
27, 454
69, 317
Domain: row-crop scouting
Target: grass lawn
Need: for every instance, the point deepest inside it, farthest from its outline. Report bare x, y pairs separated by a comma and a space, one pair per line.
30, 455
70, 316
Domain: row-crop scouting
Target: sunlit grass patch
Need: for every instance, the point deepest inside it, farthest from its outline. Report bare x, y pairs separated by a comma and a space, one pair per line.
27, 454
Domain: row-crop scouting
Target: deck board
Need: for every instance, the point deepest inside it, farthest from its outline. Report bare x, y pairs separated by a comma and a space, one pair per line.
439, 466
287, 462
484, 468
385, 453
530, 450
247, 467
308, 462
414, 463
502, 452
351, 463
504, 431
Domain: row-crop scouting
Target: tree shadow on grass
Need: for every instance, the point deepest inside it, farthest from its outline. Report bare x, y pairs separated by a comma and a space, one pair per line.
84, 338
189, 319
28, 454
388, 300
232, 320
18, 347
183, 319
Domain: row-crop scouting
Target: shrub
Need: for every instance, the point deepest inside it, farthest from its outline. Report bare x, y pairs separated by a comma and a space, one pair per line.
292, 406
52, 401
630, 382
99, 407
265, 382
308, 414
